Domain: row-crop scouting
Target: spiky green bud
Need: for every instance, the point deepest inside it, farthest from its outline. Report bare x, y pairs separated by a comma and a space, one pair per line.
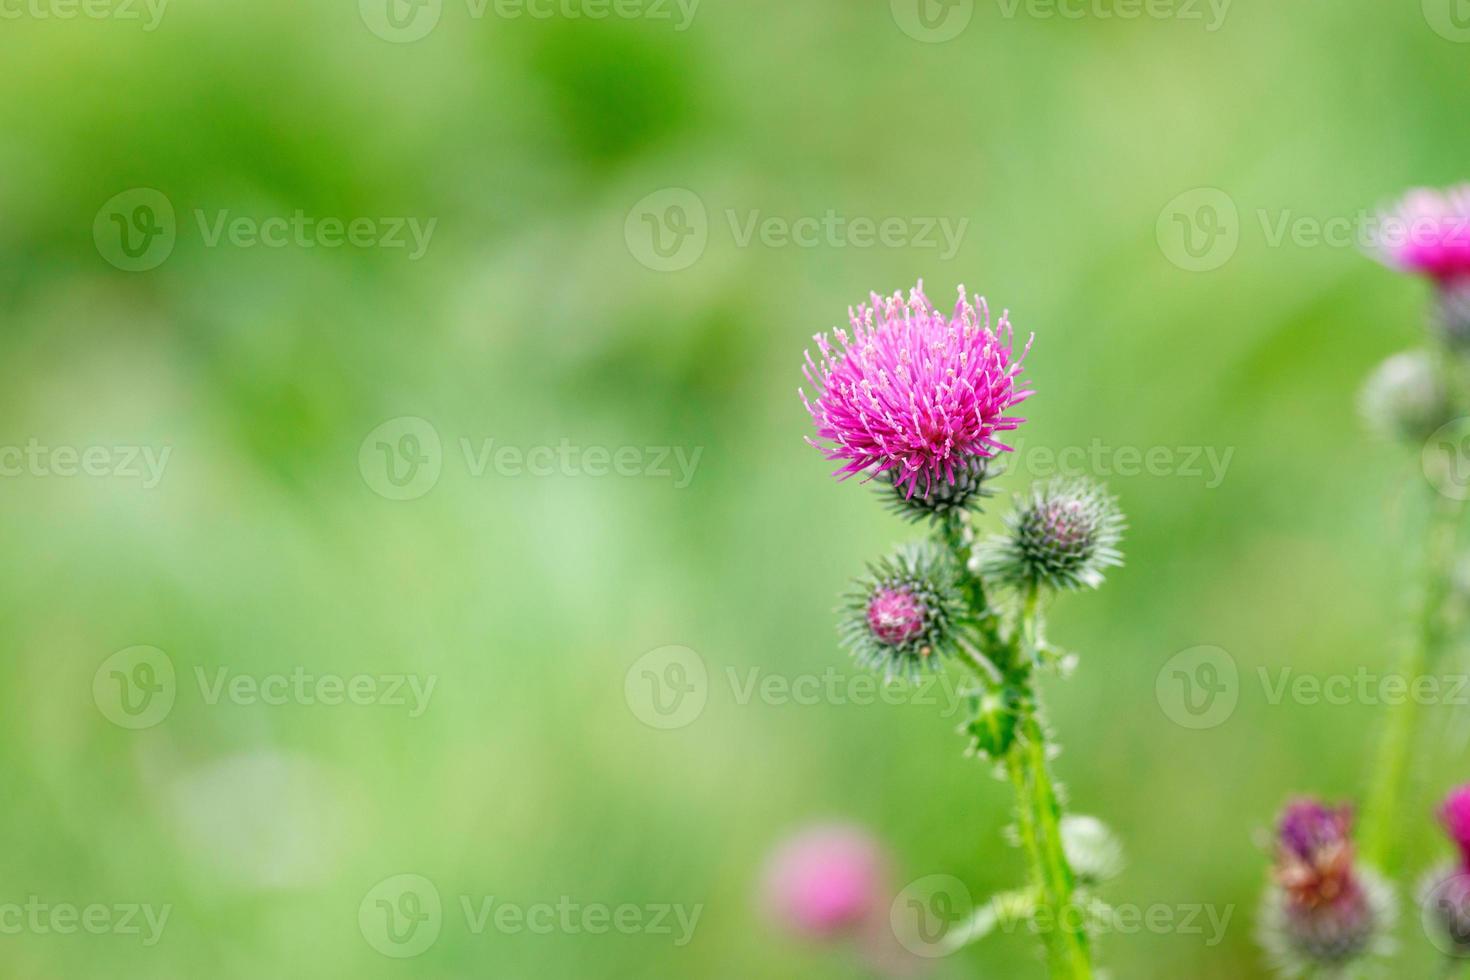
901, 616
1063, 536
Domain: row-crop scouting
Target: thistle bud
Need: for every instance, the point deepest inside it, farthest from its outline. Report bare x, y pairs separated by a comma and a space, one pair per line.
962, 489
1063, 536
900, 617
1322, 910
1405, 398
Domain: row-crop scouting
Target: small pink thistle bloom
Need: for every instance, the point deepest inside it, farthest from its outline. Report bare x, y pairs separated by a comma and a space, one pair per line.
1324, 909
896, 616
1314, 862
825, 881
1428, 233
1314, 838
913, 392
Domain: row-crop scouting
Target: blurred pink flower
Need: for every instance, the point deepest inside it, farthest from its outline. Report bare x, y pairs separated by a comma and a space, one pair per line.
826, 880
1454, 813
1325, 909
1428, 233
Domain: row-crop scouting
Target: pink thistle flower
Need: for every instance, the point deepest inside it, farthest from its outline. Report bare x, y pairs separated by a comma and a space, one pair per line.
912, 393
1314, 841
1324, 908
1428, 233
1454, 814
825, 881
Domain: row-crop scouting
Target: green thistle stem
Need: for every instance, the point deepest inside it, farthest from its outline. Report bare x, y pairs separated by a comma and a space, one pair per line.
1056, 953
1038, 809
1386, 797
1061, 883
952, 533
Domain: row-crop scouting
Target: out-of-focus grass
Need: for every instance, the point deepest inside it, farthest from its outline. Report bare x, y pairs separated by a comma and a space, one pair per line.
529, 321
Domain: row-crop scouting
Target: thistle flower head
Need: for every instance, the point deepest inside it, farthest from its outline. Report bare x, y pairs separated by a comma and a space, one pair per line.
1428, 233
825, 881
1405, 397
912, 393
1063, 536
1322, 910
900, 617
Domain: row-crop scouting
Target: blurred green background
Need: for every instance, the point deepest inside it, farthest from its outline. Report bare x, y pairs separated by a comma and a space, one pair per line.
537, 314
